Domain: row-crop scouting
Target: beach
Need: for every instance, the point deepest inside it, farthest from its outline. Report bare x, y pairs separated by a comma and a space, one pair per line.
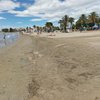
42, 67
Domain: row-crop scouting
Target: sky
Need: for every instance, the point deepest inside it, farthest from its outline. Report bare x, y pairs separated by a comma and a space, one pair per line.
23, 13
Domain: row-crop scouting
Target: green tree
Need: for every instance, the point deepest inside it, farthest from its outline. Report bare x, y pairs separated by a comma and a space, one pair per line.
93, 17
49, 24
65, 22
5, 30
82, 21
61, 24
71, 20
11, 30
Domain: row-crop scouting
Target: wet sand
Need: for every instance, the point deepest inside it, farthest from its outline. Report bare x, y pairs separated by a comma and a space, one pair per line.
15, 70
41, 68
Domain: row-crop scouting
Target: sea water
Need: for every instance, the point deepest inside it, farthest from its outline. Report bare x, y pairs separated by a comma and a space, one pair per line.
7, 39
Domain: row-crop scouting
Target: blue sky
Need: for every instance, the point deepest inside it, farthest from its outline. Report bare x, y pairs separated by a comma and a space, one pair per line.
23, 13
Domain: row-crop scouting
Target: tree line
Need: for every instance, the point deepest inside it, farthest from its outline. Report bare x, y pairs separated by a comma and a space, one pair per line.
84, 21
9, 30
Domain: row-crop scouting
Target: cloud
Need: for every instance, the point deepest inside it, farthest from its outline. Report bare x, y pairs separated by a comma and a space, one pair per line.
19, 22
36, 19
6, 5
53, 10
2, 18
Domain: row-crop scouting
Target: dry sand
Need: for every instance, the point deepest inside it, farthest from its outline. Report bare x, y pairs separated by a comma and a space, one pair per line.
40, 68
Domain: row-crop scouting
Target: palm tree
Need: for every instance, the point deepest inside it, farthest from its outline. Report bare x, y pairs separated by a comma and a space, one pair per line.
83, 20
61, 24
49, 24
71, 20
65, 20
92, 17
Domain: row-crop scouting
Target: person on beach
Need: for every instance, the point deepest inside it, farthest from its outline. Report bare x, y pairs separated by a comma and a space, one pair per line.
4, 36
37, 30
